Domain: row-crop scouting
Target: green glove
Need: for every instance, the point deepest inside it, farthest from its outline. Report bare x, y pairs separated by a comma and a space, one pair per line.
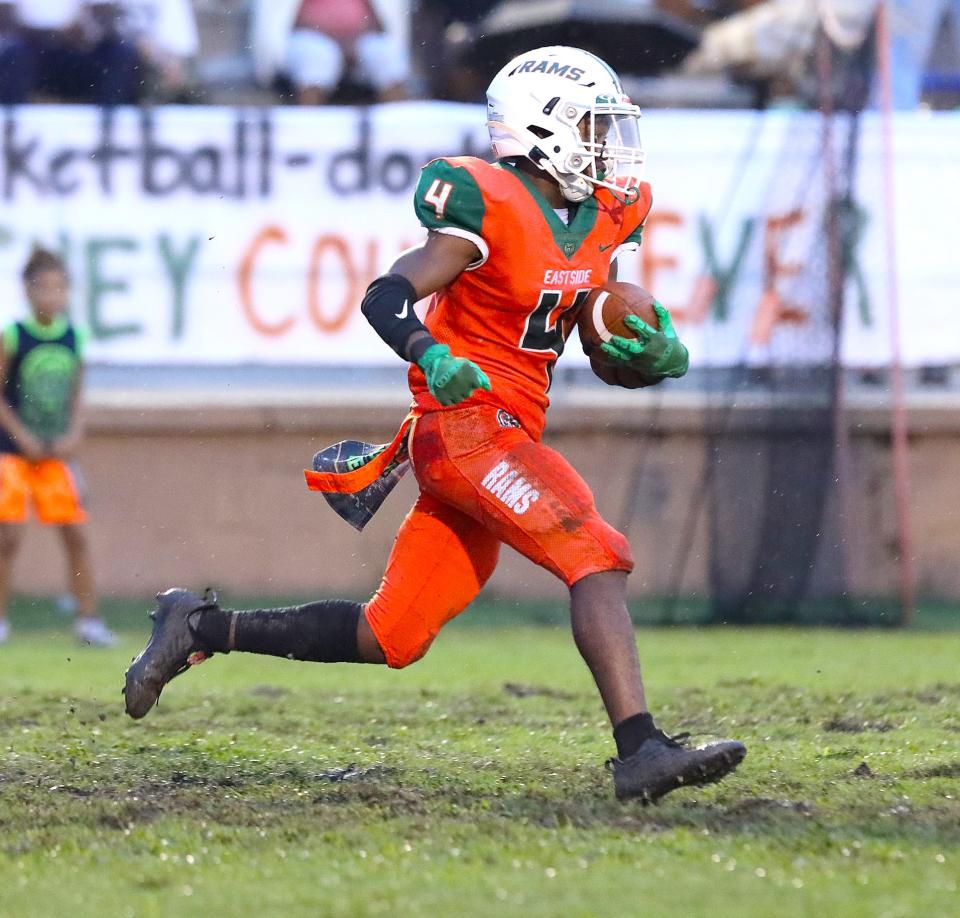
654, 353
451, 379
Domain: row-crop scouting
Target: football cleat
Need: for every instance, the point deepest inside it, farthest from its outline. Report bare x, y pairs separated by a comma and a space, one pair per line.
664, 763
172, 649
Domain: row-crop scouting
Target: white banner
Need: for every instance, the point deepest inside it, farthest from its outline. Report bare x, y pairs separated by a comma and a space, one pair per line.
229, 236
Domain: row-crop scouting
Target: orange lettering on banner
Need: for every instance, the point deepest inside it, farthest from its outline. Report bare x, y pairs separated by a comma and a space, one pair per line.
698, 306
773, 308
369, 268
352, 293
358, 266
269, 234
650, 261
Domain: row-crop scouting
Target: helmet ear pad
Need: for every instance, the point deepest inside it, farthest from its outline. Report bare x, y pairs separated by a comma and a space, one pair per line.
566, 157
573, 186
508, 143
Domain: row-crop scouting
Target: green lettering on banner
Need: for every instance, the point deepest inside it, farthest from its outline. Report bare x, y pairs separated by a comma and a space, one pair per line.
178, 265
724, 278
65, 249
853, 220
99, 286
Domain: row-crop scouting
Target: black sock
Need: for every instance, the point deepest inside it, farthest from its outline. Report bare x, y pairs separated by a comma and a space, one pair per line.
212, 625
324, 632
630, 734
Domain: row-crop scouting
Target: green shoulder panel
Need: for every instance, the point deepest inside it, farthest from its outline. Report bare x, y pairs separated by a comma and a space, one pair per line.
636, 236
447, 195
11, 339
638, 211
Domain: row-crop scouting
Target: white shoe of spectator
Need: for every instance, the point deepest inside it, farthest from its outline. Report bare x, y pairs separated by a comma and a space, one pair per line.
4, 631
94, 631
66, 604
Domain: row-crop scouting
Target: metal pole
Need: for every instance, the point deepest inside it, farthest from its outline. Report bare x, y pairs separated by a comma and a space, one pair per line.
898, 419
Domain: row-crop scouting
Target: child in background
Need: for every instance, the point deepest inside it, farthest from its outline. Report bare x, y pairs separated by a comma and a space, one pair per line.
41, 373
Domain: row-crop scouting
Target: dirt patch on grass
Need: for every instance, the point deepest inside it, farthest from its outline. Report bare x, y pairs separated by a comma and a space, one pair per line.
751, 807
934, 694
269, 691
519, 690
845, 723
298, 800
943, 770
742, 682
354, 772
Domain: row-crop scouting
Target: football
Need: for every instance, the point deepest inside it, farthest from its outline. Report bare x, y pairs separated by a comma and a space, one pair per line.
603, 312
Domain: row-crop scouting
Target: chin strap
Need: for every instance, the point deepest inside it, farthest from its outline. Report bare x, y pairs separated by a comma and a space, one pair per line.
575, 190
577, 187
573, 186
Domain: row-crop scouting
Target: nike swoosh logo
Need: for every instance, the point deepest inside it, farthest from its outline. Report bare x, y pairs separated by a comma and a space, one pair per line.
403, 312
604, 248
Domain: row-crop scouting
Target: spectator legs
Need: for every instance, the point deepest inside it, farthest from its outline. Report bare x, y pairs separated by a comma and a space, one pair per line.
395, 93
312, 95
385, 64
316, 64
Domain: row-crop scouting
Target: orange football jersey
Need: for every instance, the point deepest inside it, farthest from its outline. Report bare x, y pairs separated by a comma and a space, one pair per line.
511, 311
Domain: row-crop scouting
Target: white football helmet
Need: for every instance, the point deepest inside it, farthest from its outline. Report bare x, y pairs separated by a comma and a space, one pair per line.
565, 110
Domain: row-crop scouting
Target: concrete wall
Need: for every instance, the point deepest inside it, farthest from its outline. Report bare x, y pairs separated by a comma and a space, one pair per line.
187, 491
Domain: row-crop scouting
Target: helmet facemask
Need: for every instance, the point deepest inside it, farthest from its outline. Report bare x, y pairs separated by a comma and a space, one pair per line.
610, 154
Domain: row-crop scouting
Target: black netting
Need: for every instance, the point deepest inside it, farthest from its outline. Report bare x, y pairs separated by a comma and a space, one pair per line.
778, 465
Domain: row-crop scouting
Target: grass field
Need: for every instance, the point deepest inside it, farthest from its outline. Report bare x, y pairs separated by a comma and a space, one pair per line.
472, 783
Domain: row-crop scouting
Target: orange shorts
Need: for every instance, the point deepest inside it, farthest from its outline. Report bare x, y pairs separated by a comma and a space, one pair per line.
483, 481
49, 483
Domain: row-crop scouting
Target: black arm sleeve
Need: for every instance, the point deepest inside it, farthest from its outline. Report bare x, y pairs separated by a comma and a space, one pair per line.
388, 307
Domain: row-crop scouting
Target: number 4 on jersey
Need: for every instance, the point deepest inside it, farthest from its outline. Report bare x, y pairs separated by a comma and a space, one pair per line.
542, 334
437, 195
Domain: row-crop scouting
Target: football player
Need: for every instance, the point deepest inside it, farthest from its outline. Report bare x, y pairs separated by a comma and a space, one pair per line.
512, 250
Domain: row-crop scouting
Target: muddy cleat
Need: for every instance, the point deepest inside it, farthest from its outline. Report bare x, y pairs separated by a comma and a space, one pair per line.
663, 763
172, 649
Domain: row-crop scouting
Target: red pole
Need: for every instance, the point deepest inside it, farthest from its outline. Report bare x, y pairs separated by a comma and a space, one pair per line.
898, 419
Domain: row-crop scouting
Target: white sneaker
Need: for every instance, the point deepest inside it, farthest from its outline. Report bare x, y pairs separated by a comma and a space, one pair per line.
94, 631
66, 604
4, 631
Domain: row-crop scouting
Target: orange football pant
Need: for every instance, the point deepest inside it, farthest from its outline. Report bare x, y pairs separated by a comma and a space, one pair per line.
483, 481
